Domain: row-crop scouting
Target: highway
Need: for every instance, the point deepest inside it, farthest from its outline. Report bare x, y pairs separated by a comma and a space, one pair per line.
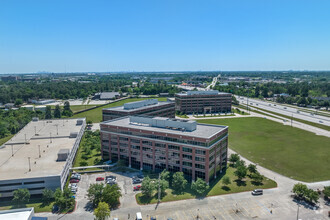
285, 110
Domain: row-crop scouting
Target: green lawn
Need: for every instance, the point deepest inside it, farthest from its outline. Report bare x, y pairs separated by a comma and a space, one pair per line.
290, 151
216, 188
36, 203
5, 139
96, 114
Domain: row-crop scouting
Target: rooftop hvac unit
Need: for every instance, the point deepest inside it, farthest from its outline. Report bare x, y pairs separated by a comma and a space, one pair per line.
80, 122
63, 154
73, 134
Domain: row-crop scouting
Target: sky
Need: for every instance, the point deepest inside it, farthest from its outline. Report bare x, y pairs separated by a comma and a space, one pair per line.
155, 35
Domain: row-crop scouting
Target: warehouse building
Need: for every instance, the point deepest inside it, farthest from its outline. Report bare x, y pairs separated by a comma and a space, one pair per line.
157, 143
40, 155
202, 102
148, 107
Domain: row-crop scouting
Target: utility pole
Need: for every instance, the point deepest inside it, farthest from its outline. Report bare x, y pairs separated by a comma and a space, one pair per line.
25, 138
50, 137
247, 104
29, 164
12, 150
39, 151
35, 130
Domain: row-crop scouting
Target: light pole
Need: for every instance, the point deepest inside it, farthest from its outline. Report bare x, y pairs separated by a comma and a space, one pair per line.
298, 212
39, 151
159, 188
29, 164
12, 150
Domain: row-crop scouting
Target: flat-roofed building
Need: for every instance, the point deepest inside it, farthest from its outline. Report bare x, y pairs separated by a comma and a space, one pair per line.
31, 158
148, 107
157, 143
200, 102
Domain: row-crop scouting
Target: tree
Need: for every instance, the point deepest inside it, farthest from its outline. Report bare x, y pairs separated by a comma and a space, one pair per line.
163, 186
57, 112
64, 199
18, 102
226, 180
240, 172
48, 114
147, 187
312, 196
234, 158
326, 192
67, 110
179, 183
252, 168
102, 211
111, 195
240, 163
89, 122
165, 175
199, 186
21, 196
94, 193
47, 196
300, 190
257, 177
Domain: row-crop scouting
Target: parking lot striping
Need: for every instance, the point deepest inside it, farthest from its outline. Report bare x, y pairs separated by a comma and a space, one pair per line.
264, 207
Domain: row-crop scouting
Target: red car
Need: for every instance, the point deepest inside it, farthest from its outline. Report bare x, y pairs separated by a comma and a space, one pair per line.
99, 179
74, 181
136, 188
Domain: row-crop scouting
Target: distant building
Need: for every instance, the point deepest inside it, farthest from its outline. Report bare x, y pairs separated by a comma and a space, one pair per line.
197, 150
148, 107
29, 107
106, 95
9, 105
282, 94
43, 102
41, 108
211, 101
9, 78
164, 94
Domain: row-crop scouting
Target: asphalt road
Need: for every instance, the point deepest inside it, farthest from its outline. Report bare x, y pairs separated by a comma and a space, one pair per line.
285, 110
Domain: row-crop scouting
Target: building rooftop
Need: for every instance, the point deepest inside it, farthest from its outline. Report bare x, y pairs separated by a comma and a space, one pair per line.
51, 136
109, 95
139, 105
17, 214
200, 131
207, 92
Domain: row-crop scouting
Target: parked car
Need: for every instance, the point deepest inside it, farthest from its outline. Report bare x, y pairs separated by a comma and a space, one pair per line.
74, 181
55, 209
140, 176
257, 192
111, 182
76, 176
73, 191
99, 178
137, 188
107, 162
114, 178
137, 180
153, 218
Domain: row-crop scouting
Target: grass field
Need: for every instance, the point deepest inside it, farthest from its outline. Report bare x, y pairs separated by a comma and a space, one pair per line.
290, 151
96, 114
36, 203
216, 188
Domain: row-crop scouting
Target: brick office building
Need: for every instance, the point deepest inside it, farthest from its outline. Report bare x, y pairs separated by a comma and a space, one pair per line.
148, 107
198, 150
211, 101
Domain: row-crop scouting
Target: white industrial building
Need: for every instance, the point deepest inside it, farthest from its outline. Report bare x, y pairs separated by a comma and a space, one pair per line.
40, 155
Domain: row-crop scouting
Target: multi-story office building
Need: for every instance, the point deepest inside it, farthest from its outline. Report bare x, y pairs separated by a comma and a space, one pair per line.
198, 150
199, 102
148, 107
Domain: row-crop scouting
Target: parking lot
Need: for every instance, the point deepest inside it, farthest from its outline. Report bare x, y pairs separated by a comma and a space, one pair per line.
274, 204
